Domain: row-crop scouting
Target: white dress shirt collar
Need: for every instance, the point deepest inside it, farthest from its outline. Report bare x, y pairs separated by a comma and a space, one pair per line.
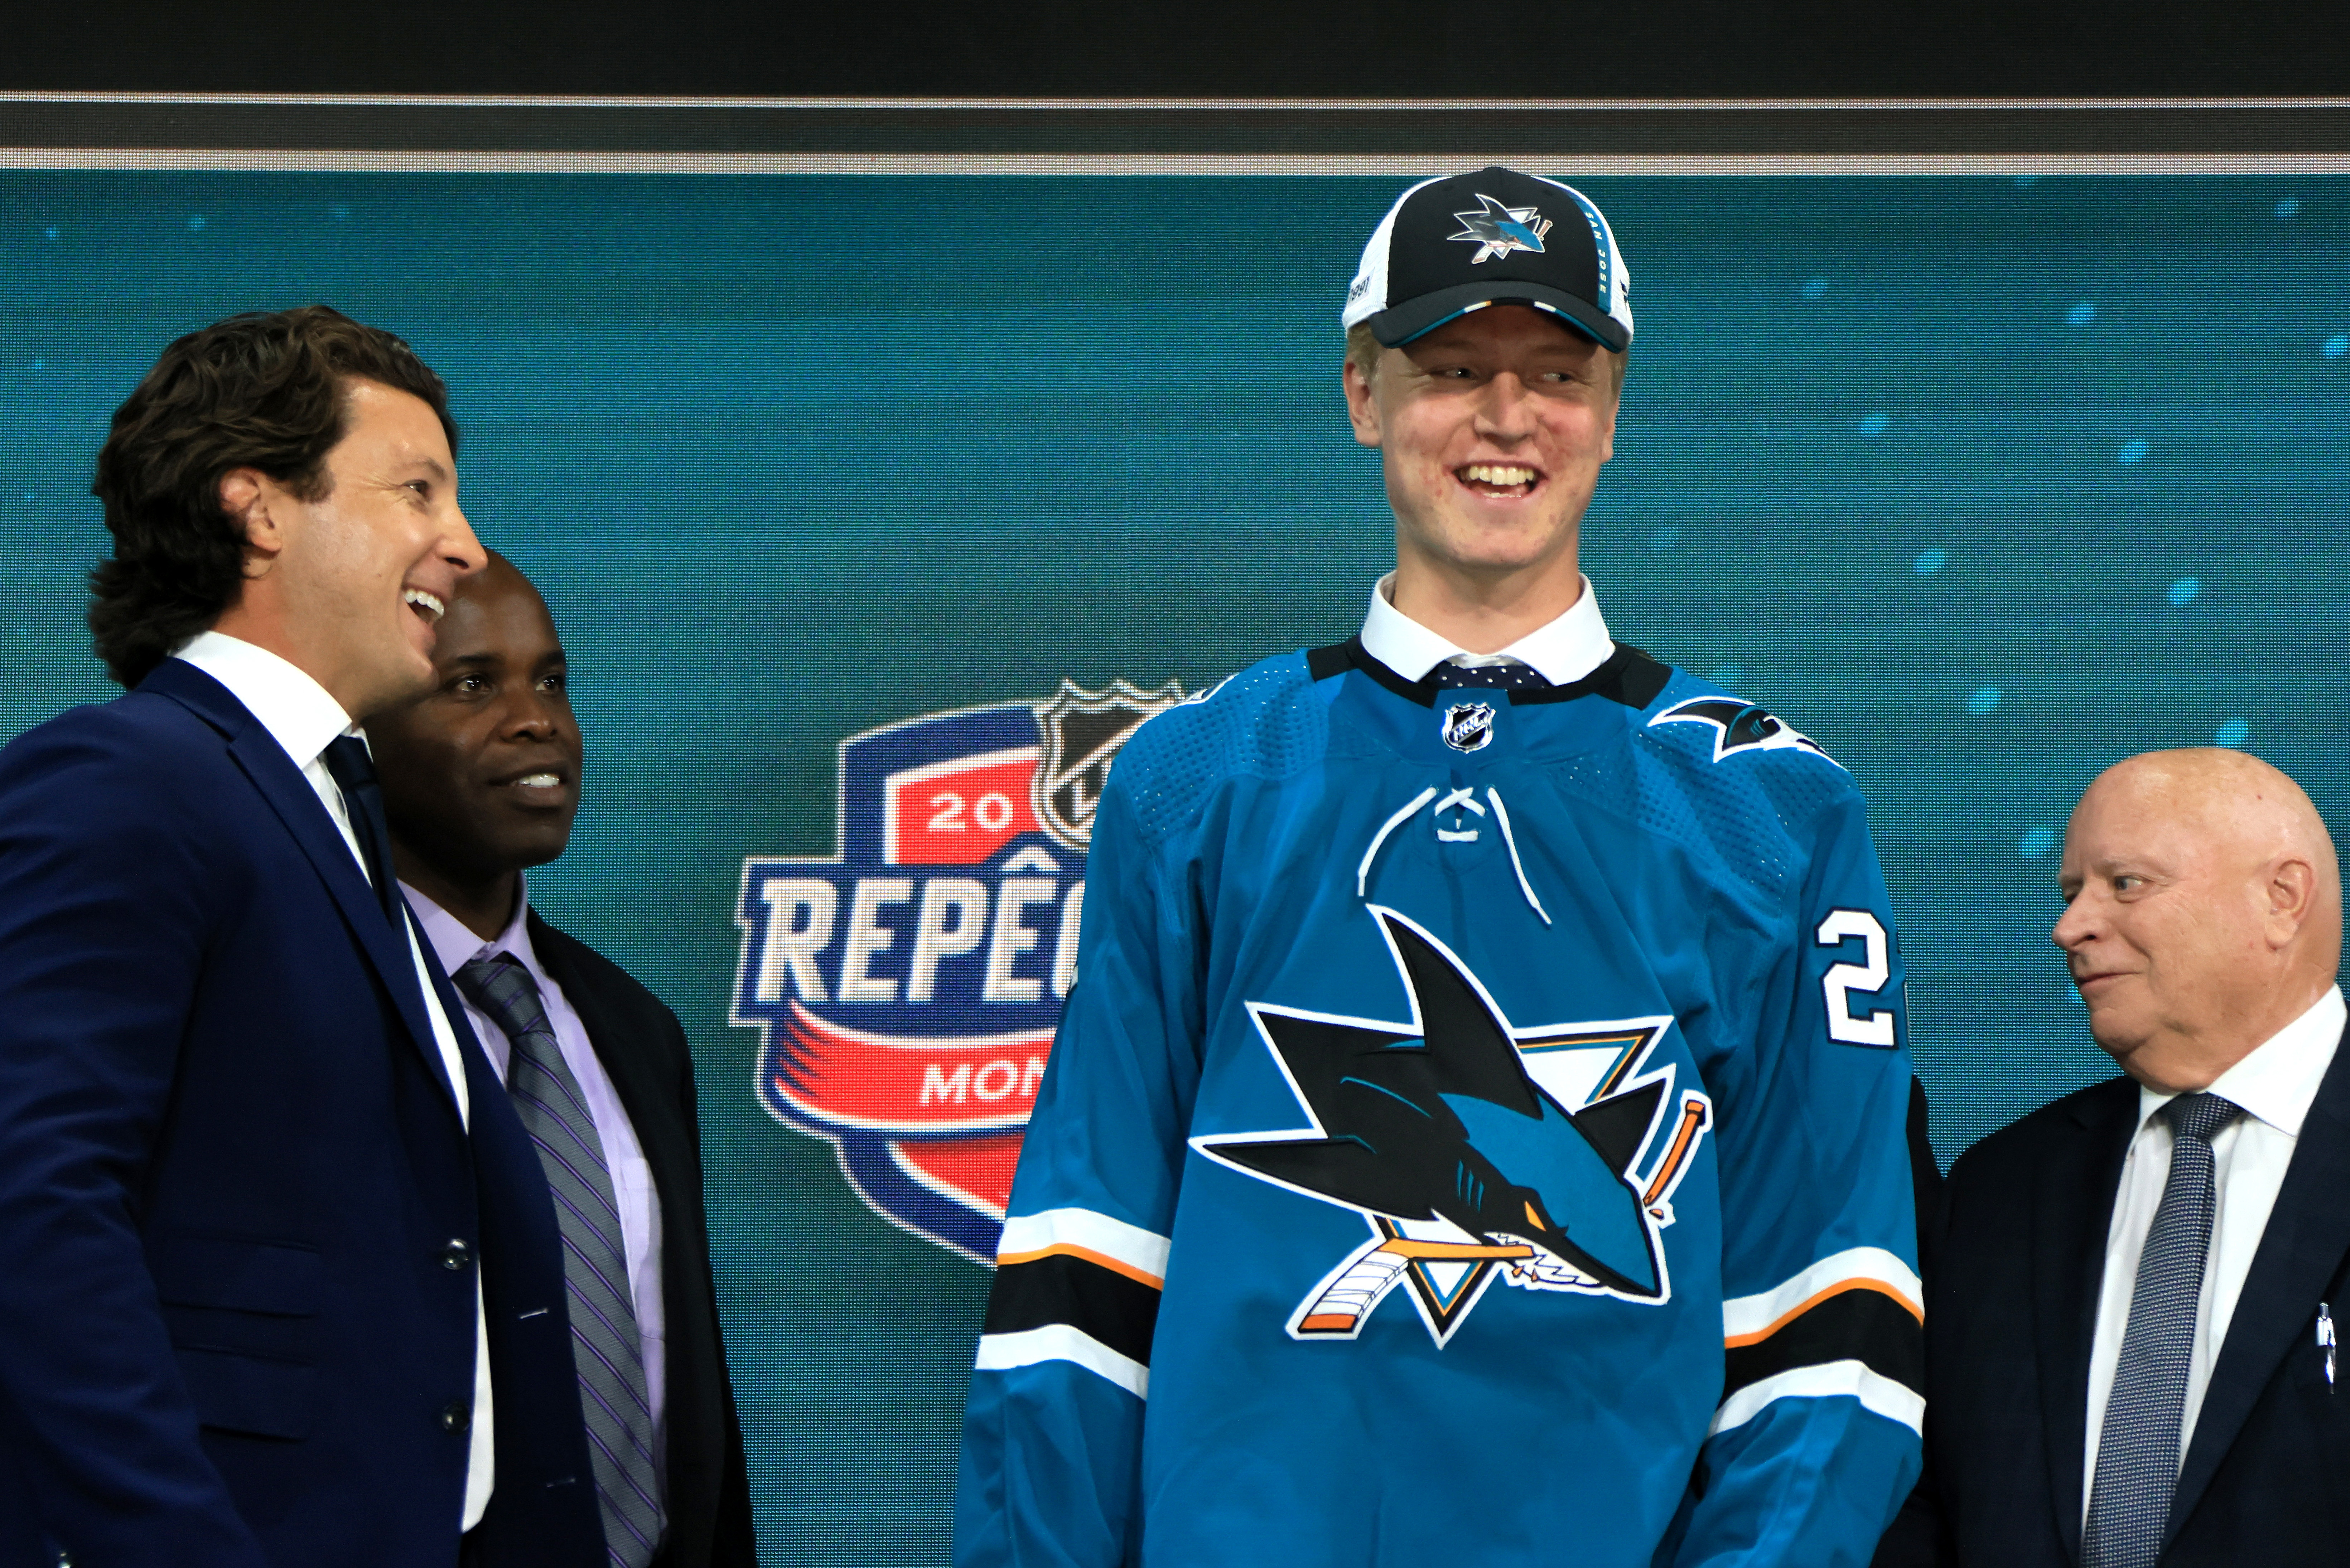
455, 944
295, 710
2279, 1080
1561, 651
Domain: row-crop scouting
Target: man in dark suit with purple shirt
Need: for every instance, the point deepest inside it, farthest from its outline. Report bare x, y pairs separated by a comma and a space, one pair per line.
481, 781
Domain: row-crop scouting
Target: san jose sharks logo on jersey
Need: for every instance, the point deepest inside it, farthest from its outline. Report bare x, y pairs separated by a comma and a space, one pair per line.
1496, 230
1474, 1148
1739, 726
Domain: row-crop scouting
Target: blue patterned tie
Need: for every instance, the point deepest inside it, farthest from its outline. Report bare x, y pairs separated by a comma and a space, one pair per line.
2137, 1449
604, 1341
1512, 674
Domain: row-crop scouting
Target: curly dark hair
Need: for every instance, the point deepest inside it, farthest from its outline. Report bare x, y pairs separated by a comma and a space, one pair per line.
266, 390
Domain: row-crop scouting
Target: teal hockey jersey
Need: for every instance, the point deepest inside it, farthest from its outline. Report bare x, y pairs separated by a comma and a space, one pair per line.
1476, 1136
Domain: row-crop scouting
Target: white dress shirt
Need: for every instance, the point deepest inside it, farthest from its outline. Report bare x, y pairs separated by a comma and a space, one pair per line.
633, 1192
303, 720
2274, 1085
1562, 651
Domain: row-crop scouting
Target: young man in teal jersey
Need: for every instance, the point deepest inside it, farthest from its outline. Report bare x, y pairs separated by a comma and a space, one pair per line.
1477, 1133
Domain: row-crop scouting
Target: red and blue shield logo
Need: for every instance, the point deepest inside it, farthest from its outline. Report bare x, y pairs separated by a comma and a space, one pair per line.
908, 986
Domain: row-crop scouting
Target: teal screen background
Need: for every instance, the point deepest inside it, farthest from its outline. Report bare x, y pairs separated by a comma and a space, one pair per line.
1983, 482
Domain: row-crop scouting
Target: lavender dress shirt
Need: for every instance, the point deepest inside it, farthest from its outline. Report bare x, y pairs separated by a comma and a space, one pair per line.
632, 1178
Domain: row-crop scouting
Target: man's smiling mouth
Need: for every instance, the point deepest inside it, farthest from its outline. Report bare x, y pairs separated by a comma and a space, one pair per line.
427, 605
1506, 480
541, 784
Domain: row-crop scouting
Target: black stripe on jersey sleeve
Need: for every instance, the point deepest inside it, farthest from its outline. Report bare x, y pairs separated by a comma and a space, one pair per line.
1863, 1325
1101, 1304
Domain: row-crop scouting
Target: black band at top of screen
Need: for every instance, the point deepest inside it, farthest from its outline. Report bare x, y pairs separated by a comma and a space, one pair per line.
1435, 129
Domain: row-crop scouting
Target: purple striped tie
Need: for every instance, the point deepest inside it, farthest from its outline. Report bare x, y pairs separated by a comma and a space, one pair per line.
604, 1341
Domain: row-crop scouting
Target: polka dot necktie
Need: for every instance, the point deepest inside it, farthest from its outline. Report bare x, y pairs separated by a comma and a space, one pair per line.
2138, 1449
1509, 673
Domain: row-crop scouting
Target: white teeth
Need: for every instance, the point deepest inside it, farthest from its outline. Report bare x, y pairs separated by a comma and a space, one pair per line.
1501, 474
430, 604
537, 780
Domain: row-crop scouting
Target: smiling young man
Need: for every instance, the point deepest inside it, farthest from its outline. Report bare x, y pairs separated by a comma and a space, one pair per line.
480, 781
284, 1281
1477, 1131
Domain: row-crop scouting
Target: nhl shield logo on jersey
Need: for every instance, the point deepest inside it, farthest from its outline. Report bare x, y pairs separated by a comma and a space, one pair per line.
1474, 1148
1083, 730
907, 987
1468, 726
1739, 726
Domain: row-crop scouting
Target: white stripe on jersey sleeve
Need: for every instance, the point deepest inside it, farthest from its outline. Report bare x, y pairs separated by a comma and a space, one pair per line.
1059, 1342
1881, 1395
1747, 1318
1083, 1232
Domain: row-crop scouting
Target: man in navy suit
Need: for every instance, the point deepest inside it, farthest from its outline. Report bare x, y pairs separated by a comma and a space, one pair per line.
2130, 1339
283, 1280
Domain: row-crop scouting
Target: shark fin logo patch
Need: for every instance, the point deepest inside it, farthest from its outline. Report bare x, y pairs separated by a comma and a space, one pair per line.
1475, 1149
1739, 726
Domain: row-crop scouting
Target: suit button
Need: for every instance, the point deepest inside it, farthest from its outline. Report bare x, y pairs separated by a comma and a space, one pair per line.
455, 1256
456, 1416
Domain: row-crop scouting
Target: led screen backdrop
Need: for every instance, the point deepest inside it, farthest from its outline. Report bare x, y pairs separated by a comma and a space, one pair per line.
1982, 482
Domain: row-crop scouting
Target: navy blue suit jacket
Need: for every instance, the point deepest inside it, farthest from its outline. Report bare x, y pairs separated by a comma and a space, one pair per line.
240, 1217
2012, 1308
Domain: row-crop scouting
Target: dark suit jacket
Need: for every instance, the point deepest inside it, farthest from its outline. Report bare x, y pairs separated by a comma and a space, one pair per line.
242, 1223
643, 1049
2011, 1312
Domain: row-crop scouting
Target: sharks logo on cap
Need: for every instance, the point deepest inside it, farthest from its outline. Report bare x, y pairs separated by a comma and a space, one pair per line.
1497, 229
1473, 1148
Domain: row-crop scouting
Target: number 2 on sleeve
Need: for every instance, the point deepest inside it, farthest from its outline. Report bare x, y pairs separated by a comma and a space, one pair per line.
1874, 1028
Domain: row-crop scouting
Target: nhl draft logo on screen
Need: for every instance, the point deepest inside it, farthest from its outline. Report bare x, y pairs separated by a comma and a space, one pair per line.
907, 987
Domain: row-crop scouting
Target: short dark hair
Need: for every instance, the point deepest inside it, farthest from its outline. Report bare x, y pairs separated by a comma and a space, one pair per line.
269, 390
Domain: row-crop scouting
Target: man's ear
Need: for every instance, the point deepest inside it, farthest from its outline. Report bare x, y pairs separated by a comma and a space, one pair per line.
2292, 896
1362, 405
245, 494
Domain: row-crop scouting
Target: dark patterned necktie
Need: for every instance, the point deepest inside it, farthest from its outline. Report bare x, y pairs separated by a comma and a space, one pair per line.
353, 771
2137, 1448
604, 1342
1511, 674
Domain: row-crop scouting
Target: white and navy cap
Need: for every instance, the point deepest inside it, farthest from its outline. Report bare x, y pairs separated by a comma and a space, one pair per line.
1494, 237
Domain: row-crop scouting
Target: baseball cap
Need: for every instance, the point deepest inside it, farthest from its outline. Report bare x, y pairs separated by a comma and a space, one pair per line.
1495, 237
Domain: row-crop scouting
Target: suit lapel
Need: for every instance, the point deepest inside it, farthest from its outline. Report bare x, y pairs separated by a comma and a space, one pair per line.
296, 804
2068, 1265
2302, 1248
